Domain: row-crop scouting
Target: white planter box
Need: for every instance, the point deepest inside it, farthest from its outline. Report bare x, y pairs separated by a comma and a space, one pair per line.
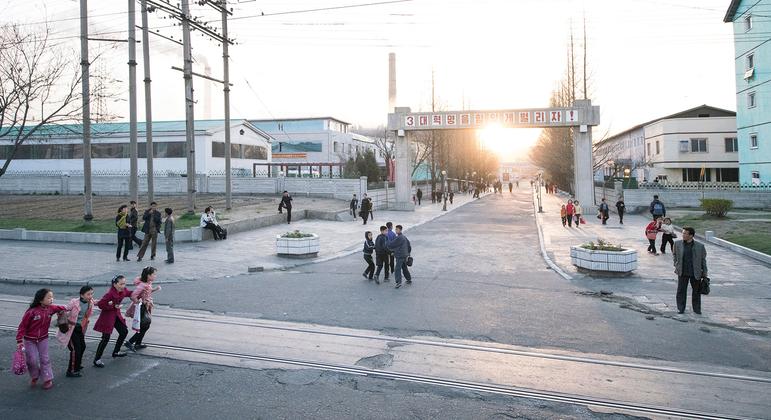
615, 261
297, 247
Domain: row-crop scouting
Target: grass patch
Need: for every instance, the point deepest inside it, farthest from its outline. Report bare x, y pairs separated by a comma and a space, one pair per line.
758, 242
753, 235
97, 226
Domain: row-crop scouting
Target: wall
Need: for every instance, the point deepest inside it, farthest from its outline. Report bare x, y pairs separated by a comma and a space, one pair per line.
670, 198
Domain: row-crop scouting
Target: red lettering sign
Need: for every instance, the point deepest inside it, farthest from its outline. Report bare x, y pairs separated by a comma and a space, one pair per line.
423, 120
409, 121
524, 118
508, 118
555, 116
479, 119
539, 117
465, 119
451, 119
436, 120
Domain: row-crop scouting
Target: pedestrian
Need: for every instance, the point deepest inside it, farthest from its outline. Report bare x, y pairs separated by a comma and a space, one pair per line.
143, 292
151, 228
452, 195
604, 212
369, 246
80, 310
402, 249
690, 259
364, 208
286, 203
570, 211
651, 230
511, 186
124, 233
353, 205
209, 221
668, 235
620, 208
381, 254
419, 195
517, 182
564, 215
168, 235
133, 220
391, 236
111, 318
577, 211
657, 208
32, 336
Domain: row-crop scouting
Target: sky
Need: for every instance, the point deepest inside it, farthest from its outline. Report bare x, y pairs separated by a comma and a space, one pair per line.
645, 58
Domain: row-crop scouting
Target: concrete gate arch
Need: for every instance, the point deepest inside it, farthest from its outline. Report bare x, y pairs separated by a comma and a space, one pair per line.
581, 117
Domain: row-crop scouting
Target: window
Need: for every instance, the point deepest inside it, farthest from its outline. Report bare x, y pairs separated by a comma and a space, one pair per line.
649, 149
754, 141
755, 178
684, 146
238, 151
727, 174
658, 149
699, 145
751, 100
694, 175
335, 147
731, 144
748, 23
750, 61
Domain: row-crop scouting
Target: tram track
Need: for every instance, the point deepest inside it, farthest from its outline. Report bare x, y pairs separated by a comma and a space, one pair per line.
511, 391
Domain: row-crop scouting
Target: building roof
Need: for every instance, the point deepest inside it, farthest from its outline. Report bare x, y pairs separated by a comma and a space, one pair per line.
694, 112
729, 14
299, 119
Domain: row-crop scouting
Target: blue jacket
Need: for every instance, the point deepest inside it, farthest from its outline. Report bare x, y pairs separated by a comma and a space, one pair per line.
662, 212
381, 243
400, 246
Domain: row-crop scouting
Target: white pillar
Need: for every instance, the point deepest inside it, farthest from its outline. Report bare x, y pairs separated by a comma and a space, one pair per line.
583, 162
403, 172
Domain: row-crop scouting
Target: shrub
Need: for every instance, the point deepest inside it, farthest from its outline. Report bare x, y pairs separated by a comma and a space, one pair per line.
602, 245
717, 207
296, 234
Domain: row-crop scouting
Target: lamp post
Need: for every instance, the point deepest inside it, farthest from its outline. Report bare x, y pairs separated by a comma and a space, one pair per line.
540, 177
444, 190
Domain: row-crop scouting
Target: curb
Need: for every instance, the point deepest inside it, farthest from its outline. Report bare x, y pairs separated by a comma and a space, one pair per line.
64, 283
557, 269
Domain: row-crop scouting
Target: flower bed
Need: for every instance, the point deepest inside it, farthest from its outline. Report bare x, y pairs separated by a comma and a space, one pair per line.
604, 257
297, 245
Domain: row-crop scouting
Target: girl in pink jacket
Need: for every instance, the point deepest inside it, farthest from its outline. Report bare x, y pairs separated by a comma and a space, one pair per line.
111, 318
78, 316
32, 336
143, 291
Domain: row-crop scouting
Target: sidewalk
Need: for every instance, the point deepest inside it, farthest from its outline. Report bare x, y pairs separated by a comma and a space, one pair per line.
741, 286
77, 264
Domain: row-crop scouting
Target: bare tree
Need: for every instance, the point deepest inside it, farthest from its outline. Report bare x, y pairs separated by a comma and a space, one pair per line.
383, 143
35, 77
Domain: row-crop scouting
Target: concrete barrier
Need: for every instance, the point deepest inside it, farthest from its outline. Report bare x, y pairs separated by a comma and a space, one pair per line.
710, 237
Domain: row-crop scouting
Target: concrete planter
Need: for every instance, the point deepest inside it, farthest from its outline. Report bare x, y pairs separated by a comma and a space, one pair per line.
298, 247
613, 261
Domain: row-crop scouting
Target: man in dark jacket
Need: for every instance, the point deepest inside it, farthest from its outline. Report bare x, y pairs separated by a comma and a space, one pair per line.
133, 220
690, 259
151, 228
419, 195
657, 208
402, 249
604, 212
621, 208
381, 254
353, 205
366, 203
286, 203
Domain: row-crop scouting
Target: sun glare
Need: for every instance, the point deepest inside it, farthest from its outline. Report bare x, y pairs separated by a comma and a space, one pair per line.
508, 143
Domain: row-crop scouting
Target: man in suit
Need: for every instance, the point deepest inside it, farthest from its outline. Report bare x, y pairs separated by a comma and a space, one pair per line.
151, 227
690, 259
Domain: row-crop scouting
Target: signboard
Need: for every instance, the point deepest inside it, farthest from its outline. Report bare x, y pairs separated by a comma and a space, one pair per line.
523, 118
290, 155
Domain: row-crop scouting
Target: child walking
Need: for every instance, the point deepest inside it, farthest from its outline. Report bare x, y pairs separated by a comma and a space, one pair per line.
650, 232
78, 317
110, 318
143, 291
564, 215
369, 246
668, 235
32, 336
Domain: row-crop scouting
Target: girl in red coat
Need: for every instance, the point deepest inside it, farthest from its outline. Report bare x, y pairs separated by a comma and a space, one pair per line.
143, 290
32, 336
110, 318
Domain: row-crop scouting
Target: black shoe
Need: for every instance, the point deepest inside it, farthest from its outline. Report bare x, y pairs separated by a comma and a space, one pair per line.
679, 312
365, 275
377, 281
140, 346
409, 281
139, 260
398, 285
152, 258
74, 374
117, 260
169, 261
120, 354
697, 312
126, 259
129, 346
98, 363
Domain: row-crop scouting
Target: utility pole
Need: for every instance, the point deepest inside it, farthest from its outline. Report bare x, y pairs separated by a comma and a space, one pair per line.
189, 110
88, 203
148, 103
132, 63
226, 90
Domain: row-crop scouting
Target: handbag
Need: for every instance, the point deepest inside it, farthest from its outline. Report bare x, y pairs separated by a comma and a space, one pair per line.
19, 365
62, 323
136, 321
409, 261
704, 287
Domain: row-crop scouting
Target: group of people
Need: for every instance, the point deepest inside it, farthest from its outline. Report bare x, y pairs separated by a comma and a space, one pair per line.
127, 222
73, 320
571, 213
363, 209
392, 253
209, 221
660, 223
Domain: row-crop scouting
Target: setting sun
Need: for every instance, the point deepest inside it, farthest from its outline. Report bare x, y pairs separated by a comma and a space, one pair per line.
508, 143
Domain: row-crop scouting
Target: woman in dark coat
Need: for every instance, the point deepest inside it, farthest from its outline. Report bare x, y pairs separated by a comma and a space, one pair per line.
124, 233
110, 318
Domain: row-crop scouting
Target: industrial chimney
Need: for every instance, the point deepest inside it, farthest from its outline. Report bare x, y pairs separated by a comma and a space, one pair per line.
391, 81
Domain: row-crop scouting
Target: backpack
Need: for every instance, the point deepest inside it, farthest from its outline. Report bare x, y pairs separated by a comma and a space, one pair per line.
658, 208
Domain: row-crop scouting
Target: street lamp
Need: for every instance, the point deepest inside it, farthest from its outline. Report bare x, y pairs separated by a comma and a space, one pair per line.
444, 190
540, 177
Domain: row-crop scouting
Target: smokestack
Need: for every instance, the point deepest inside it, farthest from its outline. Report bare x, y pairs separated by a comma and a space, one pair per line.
391, 81
207, 93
